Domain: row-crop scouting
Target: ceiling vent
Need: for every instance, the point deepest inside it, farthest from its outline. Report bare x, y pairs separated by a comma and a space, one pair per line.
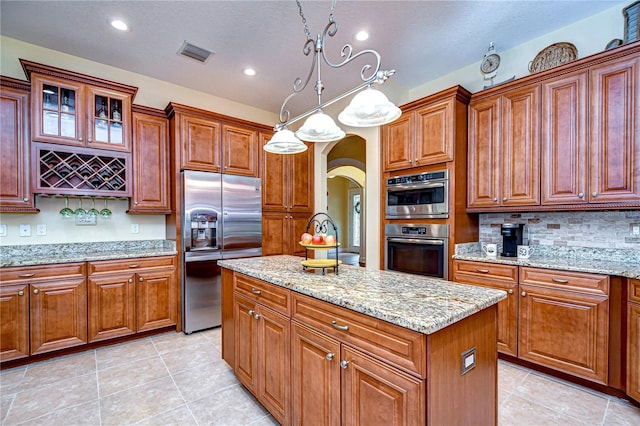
194, 52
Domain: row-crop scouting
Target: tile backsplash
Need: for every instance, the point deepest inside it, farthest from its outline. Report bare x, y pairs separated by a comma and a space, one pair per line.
600, 229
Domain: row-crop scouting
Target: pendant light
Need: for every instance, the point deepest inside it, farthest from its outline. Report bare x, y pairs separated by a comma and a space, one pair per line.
367, 109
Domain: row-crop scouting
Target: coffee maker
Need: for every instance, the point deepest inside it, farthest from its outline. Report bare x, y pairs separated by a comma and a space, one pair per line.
511, 238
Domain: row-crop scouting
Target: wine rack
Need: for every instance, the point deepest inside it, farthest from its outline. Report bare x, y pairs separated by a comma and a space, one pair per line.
61, 170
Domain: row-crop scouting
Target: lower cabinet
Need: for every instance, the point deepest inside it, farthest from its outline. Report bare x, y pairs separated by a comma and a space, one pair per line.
633, 340
129, 296
43, 309
262, 355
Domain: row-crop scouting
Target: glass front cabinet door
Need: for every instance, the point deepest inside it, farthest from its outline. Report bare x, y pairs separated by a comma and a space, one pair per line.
78, 114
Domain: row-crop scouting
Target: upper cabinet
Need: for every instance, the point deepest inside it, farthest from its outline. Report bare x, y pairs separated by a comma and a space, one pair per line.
426, 132
151, 189
503, 149
74, 109
14, 147
209, 142
562, 139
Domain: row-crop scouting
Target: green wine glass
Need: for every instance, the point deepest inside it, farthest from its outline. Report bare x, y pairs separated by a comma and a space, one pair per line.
105, 212
66, 211
93, 211
80, 211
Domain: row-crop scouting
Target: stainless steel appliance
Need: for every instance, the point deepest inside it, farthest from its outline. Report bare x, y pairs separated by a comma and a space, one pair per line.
424, 195
222, 219
511, 238
417, 249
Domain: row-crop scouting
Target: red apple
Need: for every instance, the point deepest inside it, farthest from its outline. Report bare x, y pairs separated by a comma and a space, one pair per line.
306, 238
330, 240
317, 239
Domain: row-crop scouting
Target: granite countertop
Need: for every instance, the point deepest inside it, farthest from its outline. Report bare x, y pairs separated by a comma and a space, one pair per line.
44, 254
623, 263
422, 304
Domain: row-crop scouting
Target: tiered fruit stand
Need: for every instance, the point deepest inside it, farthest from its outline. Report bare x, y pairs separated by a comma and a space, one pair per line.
321, 223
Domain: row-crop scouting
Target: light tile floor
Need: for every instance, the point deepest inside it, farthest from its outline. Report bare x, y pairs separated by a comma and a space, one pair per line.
175, 379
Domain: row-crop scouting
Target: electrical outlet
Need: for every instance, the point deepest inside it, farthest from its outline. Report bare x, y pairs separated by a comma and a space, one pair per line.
3, 230
135, 228
635, 231
25, 230
41, 229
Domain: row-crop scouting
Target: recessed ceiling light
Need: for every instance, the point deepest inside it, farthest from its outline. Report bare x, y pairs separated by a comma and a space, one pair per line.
249, 71
362, 36
119, 25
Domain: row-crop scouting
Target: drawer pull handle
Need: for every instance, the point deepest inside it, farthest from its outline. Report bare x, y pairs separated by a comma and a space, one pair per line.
26, 275
135, 265
482, 271
21, 293
558, 280
36, 291
330, 356
344, 364
255, 291
339, 327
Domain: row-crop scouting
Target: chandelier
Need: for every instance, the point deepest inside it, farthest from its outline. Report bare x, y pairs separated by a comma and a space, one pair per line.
368, 108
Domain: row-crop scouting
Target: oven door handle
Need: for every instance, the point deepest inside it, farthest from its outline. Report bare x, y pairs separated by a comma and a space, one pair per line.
424, 185
416, 241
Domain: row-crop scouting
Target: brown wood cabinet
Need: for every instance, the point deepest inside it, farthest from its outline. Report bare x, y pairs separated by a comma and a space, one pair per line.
57, 313
263, 360
586, 118
499, 277
75, 109
503, 150
15, 191
133, 295
633, 340
151, 160
281, 233
425, 134
210, 142
564, 321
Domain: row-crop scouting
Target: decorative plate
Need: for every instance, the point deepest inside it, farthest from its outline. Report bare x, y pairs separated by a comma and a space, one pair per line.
320, 263
553, 56
318, 246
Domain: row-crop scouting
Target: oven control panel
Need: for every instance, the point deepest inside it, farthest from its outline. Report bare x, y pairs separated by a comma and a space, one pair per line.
423, 177
414, 230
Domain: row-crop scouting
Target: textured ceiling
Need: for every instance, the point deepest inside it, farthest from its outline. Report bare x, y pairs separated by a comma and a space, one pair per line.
422, 40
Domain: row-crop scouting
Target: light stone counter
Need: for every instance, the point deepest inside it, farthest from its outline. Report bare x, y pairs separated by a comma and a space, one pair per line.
615, 262
418, 303
46, 254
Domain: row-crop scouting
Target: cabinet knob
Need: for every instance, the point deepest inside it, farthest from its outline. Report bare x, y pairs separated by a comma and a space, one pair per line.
251, 312
330, 356
255, 291
141, 279
523, 294
135, 202
504, 198
495, 199
344, 364
88, 140
257, 316
510, 291
36, 291
25, 199
594, 194
339, 327
581, 195
21, 293
416, 160
130, 280
80, 139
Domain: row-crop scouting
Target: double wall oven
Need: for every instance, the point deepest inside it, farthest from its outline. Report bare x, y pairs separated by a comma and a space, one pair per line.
418, 247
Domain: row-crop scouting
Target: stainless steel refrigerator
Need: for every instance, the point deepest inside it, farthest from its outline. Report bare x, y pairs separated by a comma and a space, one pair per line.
222, 219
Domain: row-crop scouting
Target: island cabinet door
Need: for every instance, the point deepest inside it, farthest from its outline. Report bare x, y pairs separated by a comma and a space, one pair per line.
315, 377
567, 331
246, 339
376, 394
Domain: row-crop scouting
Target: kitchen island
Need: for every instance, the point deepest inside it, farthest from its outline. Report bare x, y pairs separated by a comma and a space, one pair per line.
362, 347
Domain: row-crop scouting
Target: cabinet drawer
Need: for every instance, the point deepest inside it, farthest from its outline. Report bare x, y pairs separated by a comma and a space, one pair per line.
483, 273
396, 345
565, 280
270, 295
133, 265
634, 291
37, 273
